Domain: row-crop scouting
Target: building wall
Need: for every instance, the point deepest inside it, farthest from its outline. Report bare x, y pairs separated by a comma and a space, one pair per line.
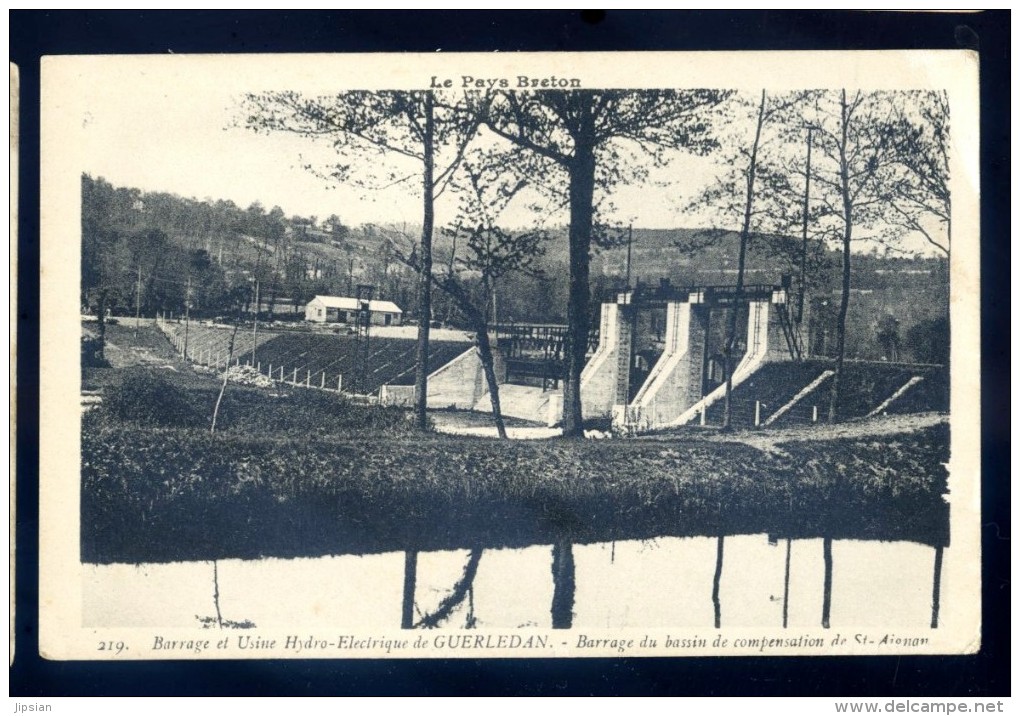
318, 313
379, 318
397, 395
458, 384
315, 311
763, 345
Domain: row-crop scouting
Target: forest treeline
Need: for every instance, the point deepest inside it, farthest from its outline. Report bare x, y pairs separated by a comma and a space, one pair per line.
145, 249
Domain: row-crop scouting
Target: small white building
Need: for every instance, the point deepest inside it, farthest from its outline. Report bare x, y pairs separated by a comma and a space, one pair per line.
344, 309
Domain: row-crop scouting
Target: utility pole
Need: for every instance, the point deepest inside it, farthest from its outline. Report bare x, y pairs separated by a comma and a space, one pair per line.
138, 297
495, 314
449, 272
803, 248
255, 329
361, 336
630, 240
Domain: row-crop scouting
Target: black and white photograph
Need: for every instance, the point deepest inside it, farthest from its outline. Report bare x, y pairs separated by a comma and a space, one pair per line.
471, 356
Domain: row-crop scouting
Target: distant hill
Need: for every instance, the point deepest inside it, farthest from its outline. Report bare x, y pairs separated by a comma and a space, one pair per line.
220, 252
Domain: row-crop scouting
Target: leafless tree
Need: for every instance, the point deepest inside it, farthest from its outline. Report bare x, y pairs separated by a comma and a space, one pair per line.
424, 132
738, 193
487, 184
919, 188
857, 153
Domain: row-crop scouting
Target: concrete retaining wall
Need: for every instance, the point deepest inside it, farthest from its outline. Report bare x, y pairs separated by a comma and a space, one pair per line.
599, 379
765, 343
459, 384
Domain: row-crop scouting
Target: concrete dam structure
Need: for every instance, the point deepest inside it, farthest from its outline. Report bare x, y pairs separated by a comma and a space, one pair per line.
656, 362
685, 377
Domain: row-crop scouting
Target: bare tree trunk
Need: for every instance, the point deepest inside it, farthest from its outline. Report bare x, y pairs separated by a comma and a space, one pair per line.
844, 304
102, 323
485, 355
449, 272
804, 236
745, 230
844, 297
226, 371
425, 274
582, 189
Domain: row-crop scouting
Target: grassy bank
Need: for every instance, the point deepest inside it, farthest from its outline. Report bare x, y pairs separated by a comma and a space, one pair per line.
170, 493
292, 472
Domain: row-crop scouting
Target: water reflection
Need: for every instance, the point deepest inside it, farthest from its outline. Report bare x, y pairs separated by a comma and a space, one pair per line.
410, 578
764, 580
936, 583
827, 584
562, 609
716, 605
786, 584
461, 590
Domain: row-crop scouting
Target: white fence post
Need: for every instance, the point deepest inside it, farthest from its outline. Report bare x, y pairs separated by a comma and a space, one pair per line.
308, 378
293, 379
757, 413
339, 382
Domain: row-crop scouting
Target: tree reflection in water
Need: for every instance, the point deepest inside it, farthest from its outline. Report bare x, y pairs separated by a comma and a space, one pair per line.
461, 590
563, 585
564, 596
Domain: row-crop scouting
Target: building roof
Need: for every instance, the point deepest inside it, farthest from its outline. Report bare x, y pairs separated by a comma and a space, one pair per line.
346, 303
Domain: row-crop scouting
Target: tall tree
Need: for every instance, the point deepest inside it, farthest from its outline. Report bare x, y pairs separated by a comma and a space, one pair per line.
424, 129
490, 252
99, 246
856, 153
596, 140
752, 191
919, 189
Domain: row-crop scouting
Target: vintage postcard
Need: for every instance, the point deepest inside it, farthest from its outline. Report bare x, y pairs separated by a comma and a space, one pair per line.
509, 355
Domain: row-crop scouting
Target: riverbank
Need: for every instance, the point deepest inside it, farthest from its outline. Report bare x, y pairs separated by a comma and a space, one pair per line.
303, 473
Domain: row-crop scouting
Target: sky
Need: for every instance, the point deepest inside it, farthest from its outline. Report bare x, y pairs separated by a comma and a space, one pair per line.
159, 134
170, 123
